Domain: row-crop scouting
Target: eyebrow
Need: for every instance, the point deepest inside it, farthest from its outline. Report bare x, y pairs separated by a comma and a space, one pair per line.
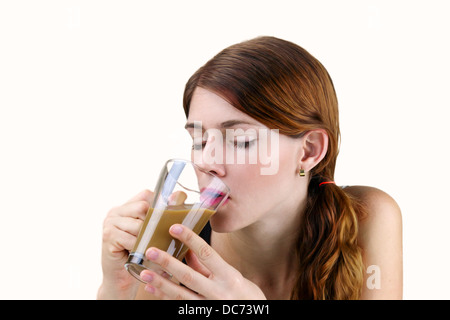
223, 125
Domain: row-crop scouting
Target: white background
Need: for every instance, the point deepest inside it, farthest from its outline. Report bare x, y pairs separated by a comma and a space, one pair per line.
90, 107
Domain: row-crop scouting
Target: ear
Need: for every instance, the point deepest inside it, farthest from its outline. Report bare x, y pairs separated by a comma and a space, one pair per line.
314, 148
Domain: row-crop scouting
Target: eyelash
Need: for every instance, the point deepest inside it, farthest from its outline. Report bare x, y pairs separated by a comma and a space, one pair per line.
196, 146
236, 144
243, 144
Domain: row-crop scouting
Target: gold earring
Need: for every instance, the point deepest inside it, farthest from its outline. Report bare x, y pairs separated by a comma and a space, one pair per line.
301, 173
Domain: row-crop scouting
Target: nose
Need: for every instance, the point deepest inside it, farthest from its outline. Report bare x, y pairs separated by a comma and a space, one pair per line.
211, 157
214, 168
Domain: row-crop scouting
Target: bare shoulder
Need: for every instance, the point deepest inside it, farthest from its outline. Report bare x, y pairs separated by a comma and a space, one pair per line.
372, 196
380, 238
382, 213
379, 205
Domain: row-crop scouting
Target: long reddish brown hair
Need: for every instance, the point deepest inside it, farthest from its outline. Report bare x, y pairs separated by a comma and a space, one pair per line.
281, 85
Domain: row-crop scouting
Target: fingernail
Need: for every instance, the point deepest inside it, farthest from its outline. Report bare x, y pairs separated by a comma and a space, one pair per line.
146, 277
149, 289
175, 229
152, 254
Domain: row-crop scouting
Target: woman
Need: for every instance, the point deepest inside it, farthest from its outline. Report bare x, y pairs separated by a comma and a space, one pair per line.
289, 235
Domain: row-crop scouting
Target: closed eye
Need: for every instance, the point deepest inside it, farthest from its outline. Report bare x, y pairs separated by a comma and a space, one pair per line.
244, 144
198, 146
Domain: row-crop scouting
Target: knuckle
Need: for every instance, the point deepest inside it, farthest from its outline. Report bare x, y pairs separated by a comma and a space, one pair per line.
237, 281
165, 262
148, 194
205, 252
110, 249
142, 206
157, 283
179, 296
188, 236
107, 233
187, 278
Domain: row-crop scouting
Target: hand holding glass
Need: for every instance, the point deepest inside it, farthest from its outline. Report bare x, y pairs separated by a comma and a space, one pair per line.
184, 194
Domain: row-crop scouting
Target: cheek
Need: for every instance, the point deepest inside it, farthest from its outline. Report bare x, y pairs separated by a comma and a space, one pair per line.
251, 188
248, 180
253, 196
242, 179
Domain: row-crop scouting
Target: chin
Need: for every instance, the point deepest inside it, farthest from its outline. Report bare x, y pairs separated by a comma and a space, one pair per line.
220, 223
226, 220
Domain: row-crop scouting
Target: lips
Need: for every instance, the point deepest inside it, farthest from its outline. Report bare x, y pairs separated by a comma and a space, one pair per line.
212, 197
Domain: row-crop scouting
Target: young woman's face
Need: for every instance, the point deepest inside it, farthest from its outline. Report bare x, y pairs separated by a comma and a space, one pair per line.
259, 166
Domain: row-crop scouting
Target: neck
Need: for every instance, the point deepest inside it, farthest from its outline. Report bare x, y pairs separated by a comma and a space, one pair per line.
264, 252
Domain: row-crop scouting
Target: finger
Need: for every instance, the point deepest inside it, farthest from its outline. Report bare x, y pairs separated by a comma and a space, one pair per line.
164, 288
192, 261
180, 271
127, 224
177, 198
117, 240
145, 195
124, 241
137, 210
205, 253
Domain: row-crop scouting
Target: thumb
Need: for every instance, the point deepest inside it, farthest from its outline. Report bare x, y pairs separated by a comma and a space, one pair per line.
177, 198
